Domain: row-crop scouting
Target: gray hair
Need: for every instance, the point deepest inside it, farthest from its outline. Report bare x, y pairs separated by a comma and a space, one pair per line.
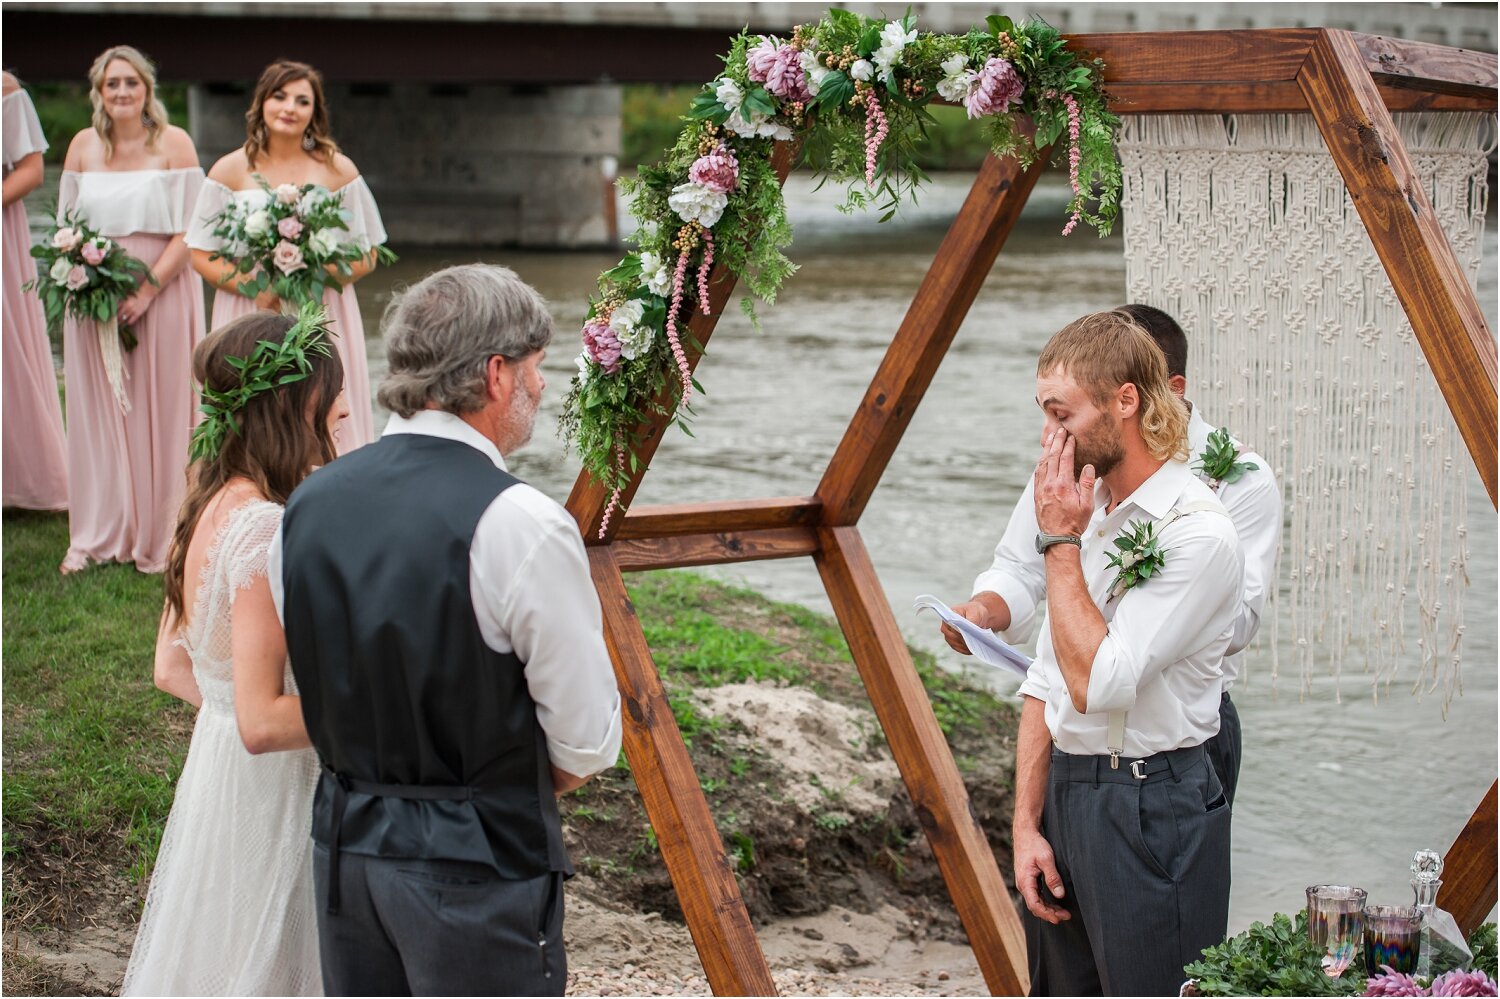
441, 332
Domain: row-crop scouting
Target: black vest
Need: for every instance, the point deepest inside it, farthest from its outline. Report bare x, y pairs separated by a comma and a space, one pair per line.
398, 687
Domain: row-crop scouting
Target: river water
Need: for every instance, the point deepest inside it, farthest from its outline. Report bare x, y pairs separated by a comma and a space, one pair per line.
1333, 789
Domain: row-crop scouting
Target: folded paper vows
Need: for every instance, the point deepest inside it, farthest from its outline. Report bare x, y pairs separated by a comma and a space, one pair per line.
987, 648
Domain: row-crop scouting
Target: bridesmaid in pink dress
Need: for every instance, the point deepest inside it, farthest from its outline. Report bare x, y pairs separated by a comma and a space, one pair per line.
135, 178
287, 141
33, 461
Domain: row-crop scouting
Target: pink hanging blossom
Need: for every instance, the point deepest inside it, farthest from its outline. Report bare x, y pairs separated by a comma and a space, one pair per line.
1075, 156
703, 269
994, 89
876, 129
601, 344
718, 170
678, 276
614, 496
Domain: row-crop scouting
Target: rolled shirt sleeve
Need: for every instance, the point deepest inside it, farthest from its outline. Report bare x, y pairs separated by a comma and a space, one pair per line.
533, 595
1190, 603
1018, 573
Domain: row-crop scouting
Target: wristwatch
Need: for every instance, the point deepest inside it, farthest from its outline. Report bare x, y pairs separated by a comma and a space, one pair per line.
1045, 541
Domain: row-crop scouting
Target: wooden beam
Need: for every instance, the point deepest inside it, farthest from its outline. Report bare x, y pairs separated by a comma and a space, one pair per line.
684, 550
1422, 267
690, 842
962, 263
932, 779
589, 499
1266, 97
1469, 888
728, 515
1245, 56
1437, 69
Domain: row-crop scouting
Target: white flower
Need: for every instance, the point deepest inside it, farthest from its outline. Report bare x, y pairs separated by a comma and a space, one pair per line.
758, 124
635, 337
1129, 559
60, 269
311, 201
862, 70
956, 79
258, 223
324, 242
585, 368
814, 71
66, 239
626, 316
288, 194
729, 94
657, 277
696, 203
893, 39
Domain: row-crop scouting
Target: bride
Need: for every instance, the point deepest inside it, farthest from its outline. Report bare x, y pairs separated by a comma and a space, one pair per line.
230, 907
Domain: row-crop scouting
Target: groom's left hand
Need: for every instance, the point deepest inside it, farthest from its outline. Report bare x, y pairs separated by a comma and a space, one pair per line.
1064, 505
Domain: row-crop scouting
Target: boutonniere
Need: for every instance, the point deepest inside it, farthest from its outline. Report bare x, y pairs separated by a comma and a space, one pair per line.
1217, 462
1141, 556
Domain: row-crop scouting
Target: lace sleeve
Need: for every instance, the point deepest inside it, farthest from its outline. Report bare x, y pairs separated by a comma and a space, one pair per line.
247, 538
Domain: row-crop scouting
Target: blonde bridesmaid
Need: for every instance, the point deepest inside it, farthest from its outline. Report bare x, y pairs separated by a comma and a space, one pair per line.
33, 456
135, 178
287, 141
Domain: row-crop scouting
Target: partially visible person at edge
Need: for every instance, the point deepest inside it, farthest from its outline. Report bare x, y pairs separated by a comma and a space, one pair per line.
135, 178
288, 141
230, 906
1007, 595
448, 643
34, 451
1121, 825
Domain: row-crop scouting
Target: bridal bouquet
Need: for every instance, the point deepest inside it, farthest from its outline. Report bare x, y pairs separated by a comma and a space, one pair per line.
85, 275
297, 245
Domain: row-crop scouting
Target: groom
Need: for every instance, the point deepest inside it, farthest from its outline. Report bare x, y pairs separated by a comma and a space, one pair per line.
447, 642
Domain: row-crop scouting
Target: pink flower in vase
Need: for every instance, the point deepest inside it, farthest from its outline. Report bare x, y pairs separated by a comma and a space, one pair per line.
760, 59
602, 344
994, 89
289, 228
718, 171
288, 258
94, 253
78, 278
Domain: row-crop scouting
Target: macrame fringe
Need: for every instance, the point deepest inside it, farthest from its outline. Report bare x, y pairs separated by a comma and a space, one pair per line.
1241, 228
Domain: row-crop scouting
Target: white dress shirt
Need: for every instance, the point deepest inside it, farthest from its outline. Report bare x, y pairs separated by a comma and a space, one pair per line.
532, 592
1018, 572
1161, 656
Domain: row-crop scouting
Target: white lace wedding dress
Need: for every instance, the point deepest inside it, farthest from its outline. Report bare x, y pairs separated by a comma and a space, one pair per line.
230, 907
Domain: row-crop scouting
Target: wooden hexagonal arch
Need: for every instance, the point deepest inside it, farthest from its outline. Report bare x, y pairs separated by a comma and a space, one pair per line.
1350, 83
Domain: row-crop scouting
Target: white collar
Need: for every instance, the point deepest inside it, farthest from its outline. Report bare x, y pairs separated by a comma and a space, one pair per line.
1158, 494
438, 423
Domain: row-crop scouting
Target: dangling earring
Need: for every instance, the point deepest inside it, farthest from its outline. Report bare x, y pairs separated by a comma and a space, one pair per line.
146, 119
309, 142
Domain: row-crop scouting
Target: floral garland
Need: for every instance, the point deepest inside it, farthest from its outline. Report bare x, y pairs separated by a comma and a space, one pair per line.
852, 91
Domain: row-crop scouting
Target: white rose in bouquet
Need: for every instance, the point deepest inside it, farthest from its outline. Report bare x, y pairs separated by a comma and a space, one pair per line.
60, 268
696, 203
324, 242
66, 239
288, 194
258, 223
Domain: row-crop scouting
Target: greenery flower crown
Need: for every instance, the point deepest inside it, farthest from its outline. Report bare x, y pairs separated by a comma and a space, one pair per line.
269, 366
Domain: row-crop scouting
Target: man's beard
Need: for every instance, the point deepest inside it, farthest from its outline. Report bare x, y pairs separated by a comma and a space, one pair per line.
1100, 447
521, 419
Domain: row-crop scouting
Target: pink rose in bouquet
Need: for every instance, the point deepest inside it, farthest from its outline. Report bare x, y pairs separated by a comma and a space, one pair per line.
289, 228
288, 194
601, 344
66, 239
78, 278
94, 252
994, 89
288, 258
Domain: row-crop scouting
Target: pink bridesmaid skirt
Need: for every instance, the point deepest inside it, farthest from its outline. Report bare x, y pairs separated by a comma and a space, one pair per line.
349, 339
33, 462
128, 470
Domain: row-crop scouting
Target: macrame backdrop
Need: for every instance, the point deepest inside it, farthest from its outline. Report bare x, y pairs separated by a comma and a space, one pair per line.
1241, 228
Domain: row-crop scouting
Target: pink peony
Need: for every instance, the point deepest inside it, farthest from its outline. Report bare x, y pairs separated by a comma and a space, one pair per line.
786, 77
718, 171
994, 89
601, 344
288, 258
759, 60
66, 238
94, 252
78, 278
1392, 983
1462, 983
289, 228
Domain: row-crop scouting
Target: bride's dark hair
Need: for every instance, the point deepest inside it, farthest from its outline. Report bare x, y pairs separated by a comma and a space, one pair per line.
282, 433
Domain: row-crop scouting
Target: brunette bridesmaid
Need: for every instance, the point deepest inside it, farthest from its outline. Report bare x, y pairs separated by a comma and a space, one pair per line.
33, 459
287, 141
135, 178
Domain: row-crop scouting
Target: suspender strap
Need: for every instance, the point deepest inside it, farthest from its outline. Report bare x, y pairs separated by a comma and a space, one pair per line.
409, 792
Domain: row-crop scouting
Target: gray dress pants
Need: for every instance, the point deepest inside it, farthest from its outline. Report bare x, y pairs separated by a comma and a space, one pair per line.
438, 928
1224, 749
1145, 869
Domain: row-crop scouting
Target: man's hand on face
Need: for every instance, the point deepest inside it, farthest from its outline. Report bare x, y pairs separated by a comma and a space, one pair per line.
1064, 504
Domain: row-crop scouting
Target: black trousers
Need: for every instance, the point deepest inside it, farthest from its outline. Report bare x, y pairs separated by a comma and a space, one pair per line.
1145, 870
435, 927
1225, 748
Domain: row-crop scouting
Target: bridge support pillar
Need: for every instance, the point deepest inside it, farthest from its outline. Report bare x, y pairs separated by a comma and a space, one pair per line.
481, 165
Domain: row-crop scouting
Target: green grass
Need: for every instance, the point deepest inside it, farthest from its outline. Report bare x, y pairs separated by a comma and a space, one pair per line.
91, 746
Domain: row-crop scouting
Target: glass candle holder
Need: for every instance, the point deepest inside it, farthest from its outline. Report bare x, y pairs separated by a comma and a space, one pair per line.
1393, 937
1336, 923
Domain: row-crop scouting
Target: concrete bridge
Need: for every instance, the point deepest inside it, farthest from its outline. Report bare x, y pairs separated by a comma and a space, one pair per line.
499, 123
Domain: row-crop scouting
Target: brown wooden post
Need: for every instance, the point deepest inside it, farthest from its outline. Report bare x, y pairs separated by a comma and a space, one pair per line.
689, 840
1423, 269
932, 779
1469, 868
